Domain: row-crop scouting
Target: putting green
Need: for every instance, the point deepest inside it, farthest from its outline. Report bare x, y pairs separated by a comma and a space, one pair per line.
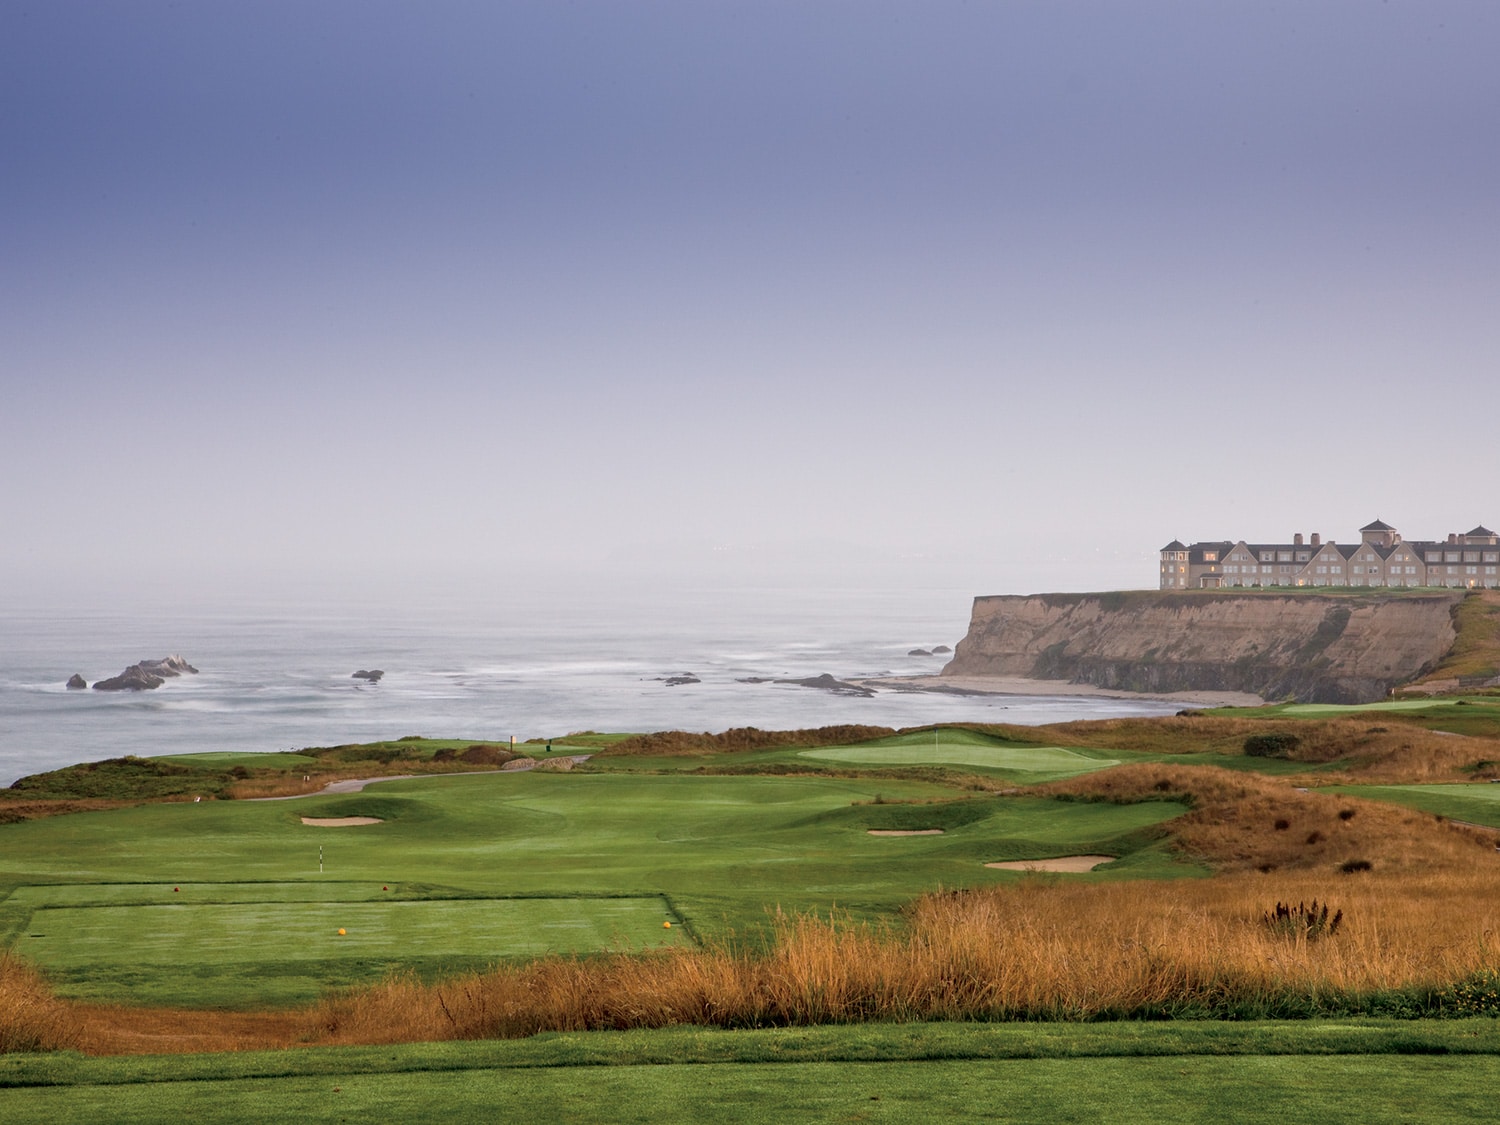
963, 748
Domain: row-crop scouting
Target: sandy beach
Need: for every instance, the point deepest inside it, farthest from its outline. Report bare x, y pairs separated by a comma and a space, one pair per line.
1017, 685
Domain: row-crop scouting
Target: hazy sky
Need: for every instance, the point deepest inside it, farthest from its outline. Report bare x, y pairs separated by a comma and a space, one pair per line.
901, 288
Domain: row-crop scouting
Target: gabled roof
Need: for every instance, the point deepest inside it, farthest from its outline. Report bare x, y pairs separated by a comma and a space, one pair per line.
1175, 545
1378, 525
1480, 530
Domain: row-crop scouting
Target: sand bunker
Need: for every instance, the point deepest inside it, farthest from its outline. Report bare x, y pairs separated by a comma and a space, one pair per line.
1067, 863
905, 831
340, 821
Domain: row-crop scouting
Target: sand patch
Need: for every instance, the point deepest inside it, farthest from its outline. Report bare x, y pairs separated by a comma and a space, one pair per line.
905, 831
340, 821
1071, 864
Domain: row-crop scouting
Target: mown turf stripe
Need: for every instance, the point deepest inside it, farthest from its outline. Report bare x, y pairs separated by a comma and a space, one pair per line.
861, 1043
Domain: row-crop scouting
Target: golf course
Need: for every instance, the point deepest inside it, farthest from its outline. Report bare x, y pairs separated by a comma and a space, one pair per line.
770, 911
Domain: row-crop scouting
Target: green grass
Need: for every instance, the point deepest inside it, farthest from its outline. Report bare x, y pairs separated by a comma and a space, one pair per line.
1478, 803
724, 850
1337, 1071
1335, 710
1023, 762
81, 948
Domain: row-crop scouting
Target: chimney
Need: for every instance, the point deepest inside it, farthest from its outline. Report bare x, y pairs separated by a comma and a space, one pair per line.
1317, 540
1453, 537
1297, 539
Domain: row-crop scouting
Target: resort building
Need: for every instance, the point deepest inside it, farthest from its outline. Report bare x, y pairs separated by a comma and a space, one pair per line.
1380, 558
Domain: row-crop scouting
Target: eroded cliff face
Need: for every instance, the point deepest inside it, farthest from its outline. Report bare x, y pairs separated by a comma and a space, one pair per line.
1311, 647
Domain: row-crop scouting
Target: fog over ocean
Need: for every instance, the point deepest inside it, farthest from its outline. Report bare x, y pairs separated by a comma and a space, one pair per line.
530, 661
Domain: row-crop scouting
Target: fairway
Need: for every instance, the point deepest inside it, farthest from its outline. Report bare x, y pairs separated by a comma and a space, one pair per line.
1333, 710
964, 748
1476, 802
224, 902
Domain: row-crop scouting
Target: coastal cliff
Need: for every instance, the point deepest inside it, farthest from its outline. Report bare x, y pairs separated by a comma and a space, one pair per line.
1350, 648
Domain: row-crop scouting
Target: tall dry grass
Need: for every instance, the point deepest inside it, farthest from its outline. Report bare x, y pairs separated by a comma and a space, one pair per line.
1245, 822
1421, 911
1031, 950
31, 1018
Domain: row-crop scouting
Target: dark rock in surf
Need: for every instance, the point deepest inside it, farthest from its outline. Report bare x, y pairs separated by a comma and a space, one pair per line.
75, 681
678, 681
831, 684
371, 675
146, 675
919, 652
940, 650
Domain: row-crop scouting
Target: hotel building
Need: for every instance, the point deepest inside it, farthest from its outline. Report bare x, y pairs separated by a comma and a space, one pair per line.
1380, 558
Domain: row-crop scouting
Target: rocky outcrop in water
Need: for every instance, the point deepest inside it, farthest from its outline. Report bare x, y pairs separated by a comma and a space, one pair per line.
76, 681
830, 684
369, 675
146, 675
1351, 648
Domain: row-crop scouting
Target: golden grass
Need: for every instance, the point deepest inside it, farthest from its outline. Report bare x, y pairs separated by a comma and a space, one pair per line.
1036, 949
31, 1018
1245, 822
1423, 916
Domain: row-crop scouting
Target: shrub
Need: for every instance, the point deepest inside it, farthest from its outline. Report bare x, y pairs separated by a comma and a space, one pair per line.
1476, 995
1277, 744
1352, 866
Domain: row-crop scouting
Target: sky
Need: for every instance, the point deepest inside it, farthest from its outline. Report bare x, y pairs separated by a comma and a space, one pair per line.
1003, 295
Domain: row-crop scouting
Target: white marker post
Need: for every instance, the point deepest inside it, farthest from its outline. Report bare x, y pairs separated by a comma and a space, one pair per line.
320, 859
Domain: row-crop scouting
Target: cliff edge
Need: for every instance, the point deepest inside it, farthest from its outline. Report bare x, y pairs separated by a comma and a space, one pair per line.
1318, 648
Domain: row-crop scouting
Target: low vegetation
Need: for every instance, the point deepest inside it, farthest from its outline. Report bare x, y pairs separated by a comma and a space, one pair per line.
676, 742
1475, 655
229, 776
740, 899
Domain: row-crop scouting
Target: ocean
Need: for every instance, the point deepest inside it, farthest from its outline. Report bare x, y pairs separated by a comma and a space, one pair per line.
529, 660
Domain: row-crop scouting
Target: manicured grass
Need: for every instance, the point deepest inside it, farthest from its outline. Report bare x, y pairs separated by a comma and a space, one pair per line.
1478, 803
80, 947
1340, 1071
966, 748
1334, 710
1274, 1090
724, 850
